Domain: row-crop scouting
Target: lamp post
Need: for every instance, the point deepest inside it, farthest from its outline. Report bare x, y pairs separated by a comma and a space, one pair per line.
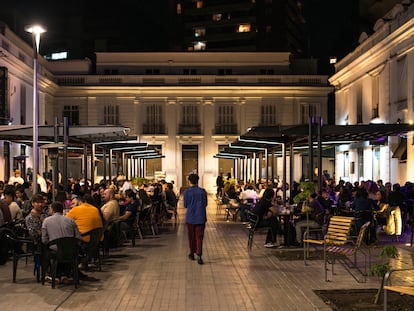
36, 31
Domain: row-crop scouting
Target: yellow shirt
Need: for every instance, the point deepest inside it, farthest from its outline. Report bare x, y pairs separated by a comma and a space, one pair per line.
87, 218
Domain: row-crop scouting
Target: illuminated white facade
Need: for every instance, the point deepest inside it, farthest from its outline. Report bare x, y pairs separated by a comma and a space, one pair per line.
375, 84
188, 104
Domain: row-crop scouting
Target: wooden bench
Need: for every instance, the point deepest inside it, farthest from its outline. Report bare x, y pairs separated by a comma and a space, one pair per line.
402, 289
342, 253
337, 234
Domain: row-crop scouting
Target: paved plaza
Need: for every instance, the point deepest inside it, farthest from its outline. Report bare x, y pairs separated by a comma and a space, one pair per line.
157, 275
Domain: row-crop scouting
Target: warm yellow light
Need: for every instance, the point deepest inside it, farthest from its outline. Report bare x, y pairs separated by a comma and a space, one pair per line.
410, 122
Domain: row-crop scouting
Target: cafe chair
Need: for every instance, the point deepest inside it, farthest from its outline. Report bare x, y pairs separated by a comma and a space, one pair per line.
62, 251
253, 227
23, 248
91, 249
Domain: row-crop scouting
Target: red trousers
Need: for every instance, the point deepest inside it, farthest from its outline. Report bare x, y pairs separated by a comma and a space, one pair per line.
195, 238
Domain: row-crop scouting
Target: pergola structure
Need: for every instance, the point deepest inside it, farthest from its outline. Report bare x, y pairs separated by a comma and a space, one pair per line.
314, 138
113, 144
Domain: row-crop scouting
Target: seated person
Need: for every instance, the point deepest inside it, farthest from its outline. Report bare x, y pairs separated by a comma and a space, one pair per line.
126, 221
316, 214
265, 211
382, 210
248, 201
58, 226
169, 199
86, 216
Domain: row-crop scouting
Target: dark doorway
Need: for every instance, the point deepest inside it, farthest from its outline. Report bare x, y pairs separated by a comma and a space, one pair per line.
190, 161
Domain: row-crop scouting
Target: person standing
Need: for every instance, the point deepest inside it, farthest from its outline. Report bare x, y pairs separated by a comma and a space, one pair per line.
195, 201
220, 185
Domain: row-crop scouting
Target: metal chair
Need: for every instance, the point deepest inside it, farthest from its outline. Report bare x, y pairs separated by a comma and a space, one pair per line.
62, 251
253, 227
22, 247
91, 248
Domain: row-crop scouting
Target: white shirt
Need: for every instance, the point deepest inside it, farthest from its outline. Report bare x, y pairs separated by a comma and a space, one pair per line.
249, 194
15, 179
42, 183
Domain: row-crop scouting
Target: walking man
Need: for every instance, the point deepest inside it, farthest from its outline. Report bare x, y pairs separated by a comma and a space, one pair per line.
195, 201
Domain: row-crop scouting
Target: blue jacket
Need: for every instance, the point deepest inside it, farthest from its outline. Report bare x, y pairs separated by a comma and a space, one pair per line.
195, 201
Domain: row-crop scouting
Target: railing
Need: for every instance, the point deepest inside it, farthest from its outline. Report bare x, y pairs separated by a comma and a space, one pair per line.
153, 129
184, 129
221, 129
255, 80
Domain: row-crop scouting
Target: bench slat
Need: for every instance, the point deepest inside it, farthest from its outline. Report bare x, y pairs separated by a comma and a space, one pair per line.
408, 290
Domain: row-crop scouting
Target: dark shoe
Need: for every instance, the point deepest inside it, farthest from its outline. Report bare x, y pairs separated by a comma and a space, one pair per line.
200, 261
191, 256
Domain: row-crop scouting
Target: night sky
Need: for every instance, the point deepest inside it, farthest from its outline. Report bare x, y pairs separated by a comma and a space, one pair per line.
144, 25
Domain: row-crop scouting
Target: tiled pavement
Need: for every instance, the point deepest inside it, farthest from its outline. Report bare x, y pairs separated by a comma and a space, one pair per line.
156, 275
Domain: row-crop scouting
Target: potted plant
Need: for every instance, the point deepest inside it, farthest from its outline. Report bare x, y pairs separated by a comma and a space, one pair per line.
380, 269
307, 188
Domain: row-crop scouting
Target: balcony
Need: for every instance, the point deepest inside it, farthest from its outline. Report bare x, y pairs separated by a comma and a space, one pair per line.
154, 129
226, 129
187, 129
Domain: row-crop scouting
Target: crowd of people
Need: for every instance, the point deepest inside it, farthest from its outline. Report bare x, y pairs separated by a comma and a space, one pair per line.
115, 207
389, 207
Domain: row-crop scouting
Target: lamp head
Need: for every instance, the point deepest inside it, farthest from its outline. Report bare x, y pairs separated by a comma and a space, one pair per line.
35, 29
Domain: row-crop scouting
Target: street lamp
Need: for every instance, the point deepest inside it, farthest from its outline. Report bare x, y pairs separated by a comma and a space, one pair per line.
36, 31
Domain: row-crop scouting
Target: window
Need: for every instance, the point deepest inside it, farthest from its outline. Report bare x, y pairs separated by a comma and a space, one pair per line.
111, 114
402, 79
72, 113
190, 123
199, 46
359, 105
267, 71
346, 164
178, 8
111, 71
243, 28
225, 123
154, 120
268, 114
189, 71
153, 165
199, 4
152, 71
189, 114
4, 103
307, 110
217, 17
375, 97
222, 72
22, 104
199, 32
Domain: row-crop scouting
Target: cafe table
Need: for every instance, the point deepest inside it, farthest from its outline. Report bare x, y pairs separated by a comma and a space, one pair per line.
285, 215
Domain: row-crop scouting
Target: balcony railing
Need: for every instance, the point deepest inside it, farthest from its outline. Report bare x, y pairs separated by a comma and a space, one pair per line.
226, 129
158, 129
165, 80
185, 129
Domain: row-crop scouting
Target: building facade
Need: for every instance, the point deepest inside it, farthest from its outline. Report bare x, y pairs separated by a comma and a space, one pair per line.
187, 105
374, 84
